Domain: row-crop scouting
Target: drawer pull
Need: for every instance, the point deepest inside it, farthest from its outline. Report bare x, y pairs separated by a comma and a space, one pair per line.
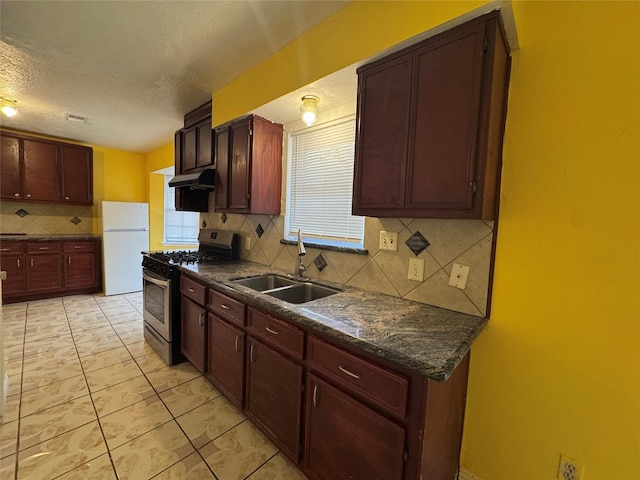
69, 260
237, 347
191, 290
315, 395
271, 330
16, 194
347, 372
78, 246
225, 307
18, 262
4, 249
44, 248
251, 357
32, 262
66, 198
28, 195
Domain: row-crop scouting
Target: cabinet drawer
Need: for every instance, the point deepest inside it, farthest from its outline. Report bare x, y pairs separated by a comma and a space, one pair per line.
226, 307
385, 388
276, 332
43, 247
11, 248
82, 246
192, 289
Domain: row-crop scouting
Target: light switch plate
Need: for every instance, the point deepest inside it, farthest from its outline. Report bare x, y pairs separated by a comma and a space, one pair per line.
247, 243
389, 241
459, 276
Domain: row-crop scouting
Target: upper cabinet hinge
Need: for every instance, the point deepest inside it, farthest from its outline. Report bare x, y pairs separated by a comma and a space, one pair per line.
474, 187
251, 132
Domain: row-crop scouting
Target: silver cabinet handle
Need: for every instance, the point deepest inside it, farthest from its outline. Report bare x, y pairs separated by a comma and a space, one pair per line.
66, 198
32, 262
16, 194
28, 195
78, 246
251, 357
347, 372
18, 262
191, 290
315, 395
201, 320
271, 330
237, 341
69, 260
225, 307
4, 249
44, 248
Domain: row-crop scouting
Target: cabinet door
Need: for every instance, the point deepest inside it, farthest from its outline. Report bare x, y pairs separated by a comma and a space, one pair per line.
222, 168
239, 166
193, 333
11, 182
77, 175
43, 272
189, 149
344, 439
204, 156
41, 171
442, 161
274, 395
225, 359
16, 281
384, 107
79, 270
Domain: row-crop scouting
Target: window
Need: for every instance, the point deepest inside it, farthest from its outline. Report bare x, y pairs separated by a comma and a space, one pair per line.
320, 184
179, 227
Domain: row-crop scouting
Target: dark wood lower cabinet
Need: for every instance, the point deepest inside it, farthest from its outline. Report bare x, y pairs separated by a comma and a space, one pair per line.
16, 281
225, 361
192, 330
345, 439
274, 396
44, 272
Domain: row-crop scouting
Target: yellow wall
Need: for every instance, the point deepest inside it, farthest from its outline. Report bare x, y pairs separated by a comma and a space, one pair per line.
557, 369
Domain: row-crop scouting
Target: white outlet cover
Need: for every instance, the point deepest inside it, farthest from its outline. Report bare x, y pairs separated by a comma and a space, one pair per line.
459, 276
416, 269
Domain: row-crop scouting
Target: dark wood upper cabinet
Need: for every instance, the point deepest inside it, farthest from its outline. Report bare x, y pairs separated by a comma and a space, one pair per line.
249, 166
430, 126
193, 150
37, 170
77, 174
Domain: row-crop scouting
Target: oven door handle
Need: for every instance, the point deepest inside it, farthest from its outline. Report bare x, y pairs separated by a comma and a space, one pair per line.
161, 282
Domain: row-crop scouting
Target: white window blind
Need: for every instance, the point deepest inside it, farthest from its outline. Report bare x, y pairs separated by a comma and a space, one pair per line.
321, 184
179, 227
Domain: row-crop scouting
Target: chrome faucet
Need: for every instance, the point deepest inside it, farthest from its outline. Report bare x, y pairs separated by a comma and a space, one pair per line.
300, 268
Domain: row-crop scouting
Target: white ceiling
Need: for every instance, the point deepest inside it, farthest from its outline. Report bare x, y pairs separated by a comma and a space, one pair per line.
134, 68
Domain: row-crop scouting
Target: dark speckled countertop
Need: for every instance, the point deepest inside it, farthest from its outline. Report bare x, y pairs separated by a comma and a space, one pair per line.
428, 340
42, 238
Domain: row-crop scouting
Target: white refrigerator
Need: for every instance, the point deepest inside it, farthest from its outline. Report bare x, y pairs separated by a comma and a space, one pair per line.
125, 234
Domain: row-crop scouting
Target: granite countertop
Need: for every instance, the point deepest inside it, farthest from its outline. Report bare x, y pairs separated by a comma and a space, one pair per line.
48, 237
428, 340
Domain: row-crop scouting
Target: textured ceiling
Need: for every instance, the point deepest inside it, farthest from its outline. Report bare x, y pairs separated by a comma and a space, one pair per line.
135, 68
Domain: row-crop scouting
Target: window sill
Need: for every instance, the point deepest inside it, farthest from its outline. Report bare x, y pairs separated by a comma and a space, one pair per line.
333, 248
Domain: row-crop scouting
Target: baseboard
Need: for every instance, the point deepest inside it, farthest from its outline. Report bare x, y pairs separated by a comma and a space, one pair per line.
464, 475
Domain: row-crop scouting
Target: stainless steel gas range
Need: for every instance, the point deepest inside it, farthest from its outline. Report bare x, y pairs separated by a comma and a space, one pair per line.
161, 287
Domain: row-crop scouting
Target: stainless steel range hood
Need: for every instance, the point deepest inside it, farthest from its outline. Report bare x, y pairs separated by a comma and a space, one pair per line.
204, 180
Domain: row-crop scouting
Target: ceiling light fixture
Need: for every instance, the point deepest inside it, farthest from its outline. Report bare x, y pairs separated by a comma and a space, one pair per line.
9, 106
309, 109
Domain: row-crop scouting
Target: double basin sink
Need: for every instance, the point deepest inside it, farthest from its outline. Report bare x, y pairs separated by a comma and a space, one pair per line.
289, 289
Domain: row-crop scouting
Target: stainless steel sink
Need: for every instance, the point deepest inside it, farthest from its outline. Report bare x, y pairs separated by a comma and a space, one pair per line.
265, 282
302, 292
287, 289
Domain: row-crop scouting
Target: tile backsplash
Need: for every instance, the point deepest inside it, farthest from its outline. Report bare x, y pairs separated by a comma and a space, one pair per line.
467, 242
45, 219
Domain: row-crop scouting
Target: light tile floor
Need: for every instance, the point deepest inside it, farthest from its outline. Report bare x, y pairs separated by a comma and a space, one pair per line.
89, 399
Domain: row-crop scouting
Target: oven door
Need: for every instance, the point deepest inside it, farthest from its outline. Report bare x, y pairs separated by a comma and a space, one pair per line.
156, 299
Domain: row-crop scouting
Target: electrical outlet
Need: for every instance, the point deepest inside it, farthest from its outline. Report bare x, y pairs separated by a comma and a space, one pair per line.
569, 469
459, 276
416, 269
388, 240
247, 243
